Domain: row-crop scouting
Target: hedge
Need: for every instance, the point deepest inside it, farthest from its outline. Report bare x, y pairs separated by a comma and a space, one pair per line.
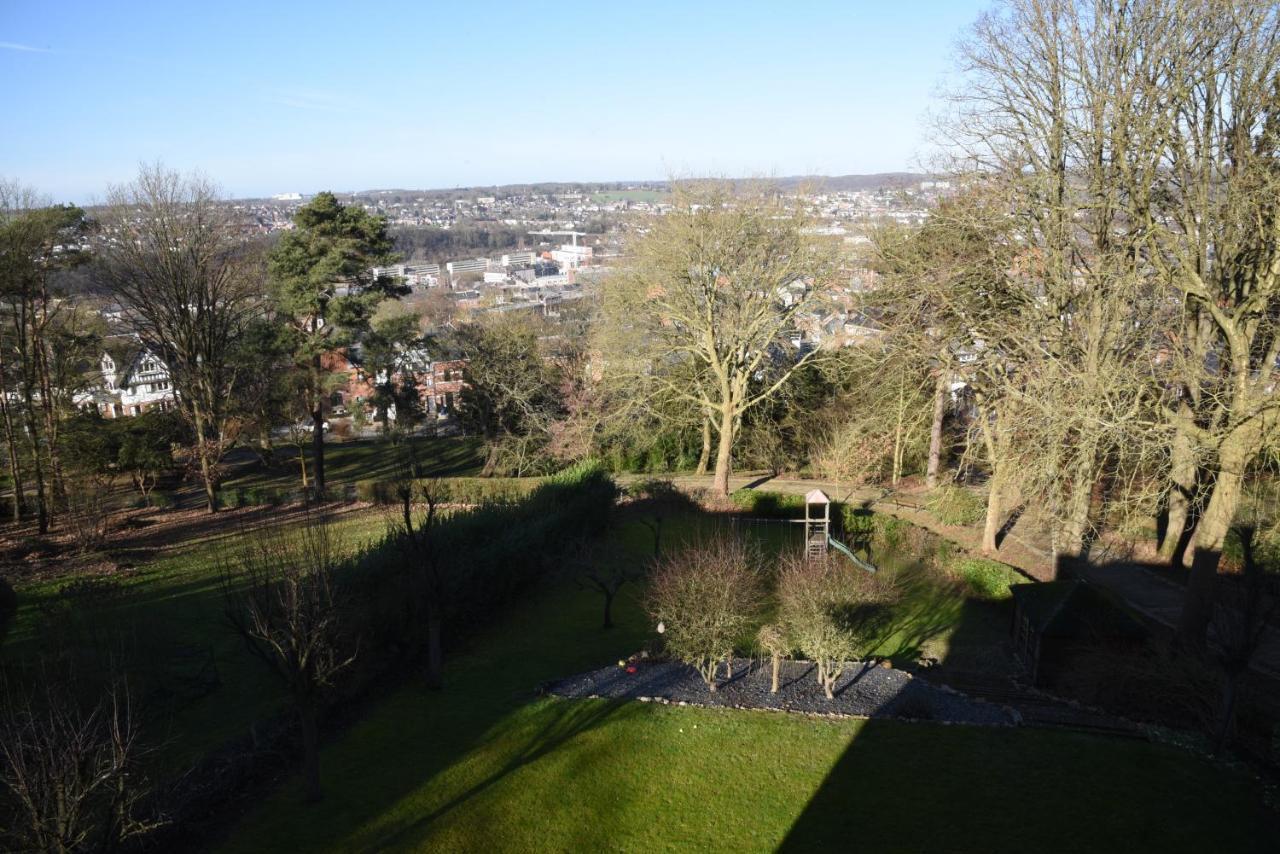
456, 490
489, 555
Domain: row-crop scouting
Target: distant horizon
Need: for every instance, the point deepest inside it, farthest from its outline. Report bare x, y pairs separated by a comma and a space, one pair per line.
585, 183
274, 98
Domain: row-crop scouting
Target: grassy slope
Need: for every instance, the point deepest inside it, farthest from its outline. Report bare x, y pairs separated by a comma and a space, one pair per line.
366, 459
178, 600
486, 765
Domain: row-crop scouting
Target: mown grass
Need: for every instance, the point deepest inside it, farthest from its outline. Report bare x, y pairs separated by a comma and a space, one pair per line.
487, 765
177, 601
364, 459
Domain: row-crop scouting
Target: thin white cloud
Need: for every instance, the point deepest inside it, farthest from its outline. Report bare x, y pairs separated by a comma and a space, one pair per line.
23, 48
309, 99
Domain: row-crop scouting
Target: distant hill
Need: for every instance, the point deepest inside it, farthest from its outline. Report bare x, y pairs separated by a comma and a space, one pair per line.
831, 183
875, 181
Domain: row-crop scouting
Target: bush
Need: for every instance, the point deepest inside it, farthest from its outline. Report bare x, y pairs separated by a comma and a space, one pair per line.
955, 505
772, 505
987, 579
161, 500
704, 599
832, 610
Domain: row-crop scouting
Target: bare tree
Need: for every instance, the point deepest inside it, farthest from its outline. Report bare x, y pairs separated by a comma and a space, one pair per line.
70, 772
175, 257
607, 574
709, 303
704, 599
830, 610
281, 598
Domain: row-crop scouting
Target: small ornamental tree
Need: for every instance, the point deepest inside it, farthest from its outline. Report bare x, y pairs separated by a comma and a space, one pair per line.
772, 639
283, 601
830, 609
705, 598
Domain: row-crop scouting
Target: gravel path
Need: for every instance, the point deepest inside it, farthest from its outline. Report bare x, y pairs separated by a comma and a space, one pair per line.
863, 691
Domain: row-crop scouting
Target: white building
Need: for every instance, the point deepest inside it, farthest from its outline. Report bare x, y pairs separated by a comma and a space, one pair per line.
134, 381
570, 256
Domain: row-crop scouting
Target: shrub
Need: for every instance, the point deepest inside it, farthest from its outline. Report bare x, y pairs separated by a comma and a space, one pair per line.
955, 505
831, 610
988, 579
773, 505
161, 500
704, 599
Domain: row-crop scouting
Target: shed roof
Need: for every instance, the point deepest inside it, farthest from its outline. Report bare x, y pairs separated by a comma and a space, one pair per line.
816, 496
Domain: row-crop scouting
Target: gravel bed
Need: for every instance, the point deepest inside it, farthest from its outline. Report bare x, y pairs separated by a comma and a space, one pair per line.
864, 690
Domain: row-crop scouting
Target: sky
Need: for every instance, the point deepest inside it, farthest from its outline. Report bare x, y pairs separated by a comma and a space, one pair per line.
273, 97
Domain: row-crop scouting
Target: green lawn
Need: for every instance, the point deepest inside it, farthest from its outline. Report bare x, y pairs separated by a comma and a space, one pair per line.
365, 459
176, 601
486, 765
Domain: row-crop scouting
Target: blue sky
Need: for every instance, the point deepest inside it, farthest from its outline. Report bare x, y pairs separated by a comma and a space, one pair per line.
271, 97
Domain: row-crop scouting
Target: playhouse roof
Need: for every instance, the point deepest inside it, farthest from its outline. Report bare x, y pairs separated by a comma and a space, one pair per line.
816, 496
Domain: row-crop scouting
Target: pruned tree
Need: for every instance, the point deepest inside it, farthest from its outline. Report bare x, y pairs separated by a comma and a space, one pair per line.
831, 610
281, 596
418, 538
772, 640
173, 254
606, 574
705, 598
709, 303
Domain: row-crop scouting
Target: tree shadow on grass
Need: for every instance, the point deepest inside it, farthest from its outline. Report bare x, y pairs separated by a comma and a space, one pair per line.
925, 787
566, 720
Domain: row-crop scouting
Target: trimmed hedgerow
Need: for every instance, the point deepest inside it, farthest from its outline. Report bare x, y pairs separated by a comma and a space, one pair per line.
455, 490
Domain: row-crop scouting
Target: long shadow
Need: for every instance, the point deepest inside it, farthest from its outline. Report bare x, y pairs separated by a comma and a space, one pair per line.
924, 787
1007, 527
567, 721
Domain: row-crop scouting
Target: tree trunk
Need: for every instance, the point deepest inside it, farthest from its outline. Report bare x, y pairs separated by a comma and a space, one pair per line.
435, 655
310, 752
608, 610
704, 458
1076, 528
1211, 534
777, 668
317, 448
1226, 714
11, 443
991, 528
1182, 485
935, 431
206, 473
724, 456
37, 470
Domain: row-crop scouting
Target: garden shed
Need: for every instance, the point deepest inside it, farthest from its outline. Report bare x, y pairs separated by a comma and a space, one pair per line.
1053, 621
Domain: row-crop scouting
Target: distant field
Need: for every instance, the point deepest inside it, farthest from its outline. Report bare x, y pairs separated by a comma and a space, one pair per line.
632, 196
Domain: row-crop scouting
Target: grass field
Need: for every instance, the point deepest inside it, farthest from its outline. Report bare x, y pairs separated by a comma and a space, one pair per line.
365, 459
486, 765
176, 602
